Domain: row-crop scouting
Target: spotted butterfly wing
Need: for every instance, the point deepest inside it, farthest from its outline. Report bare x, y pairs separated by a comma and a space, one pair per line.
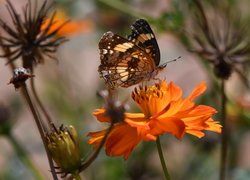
122, 62
125, 62
143, 36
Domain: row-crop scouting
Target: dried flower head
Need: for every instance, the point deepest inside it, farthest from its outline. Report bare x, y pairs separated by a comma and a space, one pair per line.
63, 144
26, 38
220, 37
114, 109
20, 76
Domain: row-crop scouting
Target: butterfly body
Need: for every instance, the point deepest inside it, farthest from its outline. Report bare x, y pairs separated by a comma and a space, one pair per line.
129, 61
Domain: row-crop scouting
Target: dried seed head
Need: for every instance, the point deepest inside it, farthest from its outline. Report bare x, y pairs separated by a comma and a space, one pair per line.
27, 39
219, 35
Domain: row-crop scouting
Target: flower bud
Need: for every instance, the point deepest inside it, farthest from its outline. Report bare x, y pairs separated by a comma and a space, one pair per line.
63, 144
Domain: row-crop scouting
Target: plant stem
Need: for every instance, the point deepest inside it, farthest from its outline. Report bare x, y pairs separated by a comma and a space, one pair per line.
163, 164
21, 153
94, 156
224, 137
39, 102
40, 128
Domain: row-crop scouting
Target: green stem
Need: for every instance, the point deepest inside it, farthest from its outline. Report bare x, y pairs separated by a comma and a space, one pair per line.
224, 137
21, 153
163, 164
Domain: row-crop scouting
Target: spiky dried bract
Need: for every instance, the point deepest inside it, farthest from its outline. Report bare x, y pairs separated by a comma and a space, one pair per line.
26, 39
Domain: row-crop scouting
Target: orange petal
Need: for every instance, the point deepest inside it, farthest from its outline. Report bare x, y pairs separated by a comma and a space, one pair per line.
175, 91
96, 137
196, 127
73, 27
170, 125
173, 108
198, 91
121, 141
143, 129
203, 110
170, 92
196, 133
213, 126
100, 115
70, 28
137, 124
196, 112
196, 119
135, 116
198, 123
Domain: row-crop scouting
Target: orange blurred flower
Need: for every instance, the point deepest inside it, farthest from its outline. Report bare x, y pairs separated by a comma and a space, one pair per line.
61, 21
164, 111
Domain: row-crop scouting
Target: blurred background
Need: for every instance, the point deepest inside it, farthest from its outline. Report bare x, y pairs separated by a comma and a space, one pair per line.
68, 89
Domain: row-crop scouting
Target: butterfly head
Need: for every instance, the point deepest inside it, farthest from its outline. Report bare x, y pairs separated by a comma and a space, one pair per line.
162, 66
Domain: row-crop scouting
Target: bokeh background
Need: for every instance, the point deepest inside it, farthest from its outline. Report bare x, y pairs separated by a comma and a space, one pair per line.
68, 89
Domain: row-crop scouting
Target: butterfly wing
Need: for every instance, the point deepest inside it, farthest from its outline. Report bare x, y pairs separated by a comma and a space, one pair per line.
122, 62
143, 36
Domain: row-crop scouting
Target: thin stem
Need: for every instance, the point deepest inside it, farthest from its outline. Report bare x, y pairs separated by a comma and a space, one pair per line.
94, 156
40, 128
163, 164
40, 104
224, 137
24, 158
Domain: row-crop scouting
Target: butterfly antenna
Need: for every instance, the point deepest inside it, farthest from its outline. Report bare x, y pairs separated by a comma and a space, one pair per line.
166, 63
173, 60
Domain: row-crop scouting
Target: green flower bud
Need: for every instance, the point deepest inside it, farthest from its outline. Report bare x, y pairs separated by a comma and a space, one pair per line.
63, 145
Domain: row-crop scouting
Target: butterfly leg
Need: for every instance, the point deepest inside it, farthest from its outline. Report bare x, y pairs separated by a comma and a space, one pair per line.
157, 79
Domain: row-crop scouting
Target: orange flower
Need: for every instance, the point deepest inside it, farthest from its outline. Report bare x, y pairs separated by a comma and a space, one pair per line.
65, 27
164, 111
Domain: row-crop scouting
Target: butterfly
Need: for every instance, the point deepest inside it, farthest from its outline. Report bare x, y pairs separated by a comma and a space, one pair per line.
129, 61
